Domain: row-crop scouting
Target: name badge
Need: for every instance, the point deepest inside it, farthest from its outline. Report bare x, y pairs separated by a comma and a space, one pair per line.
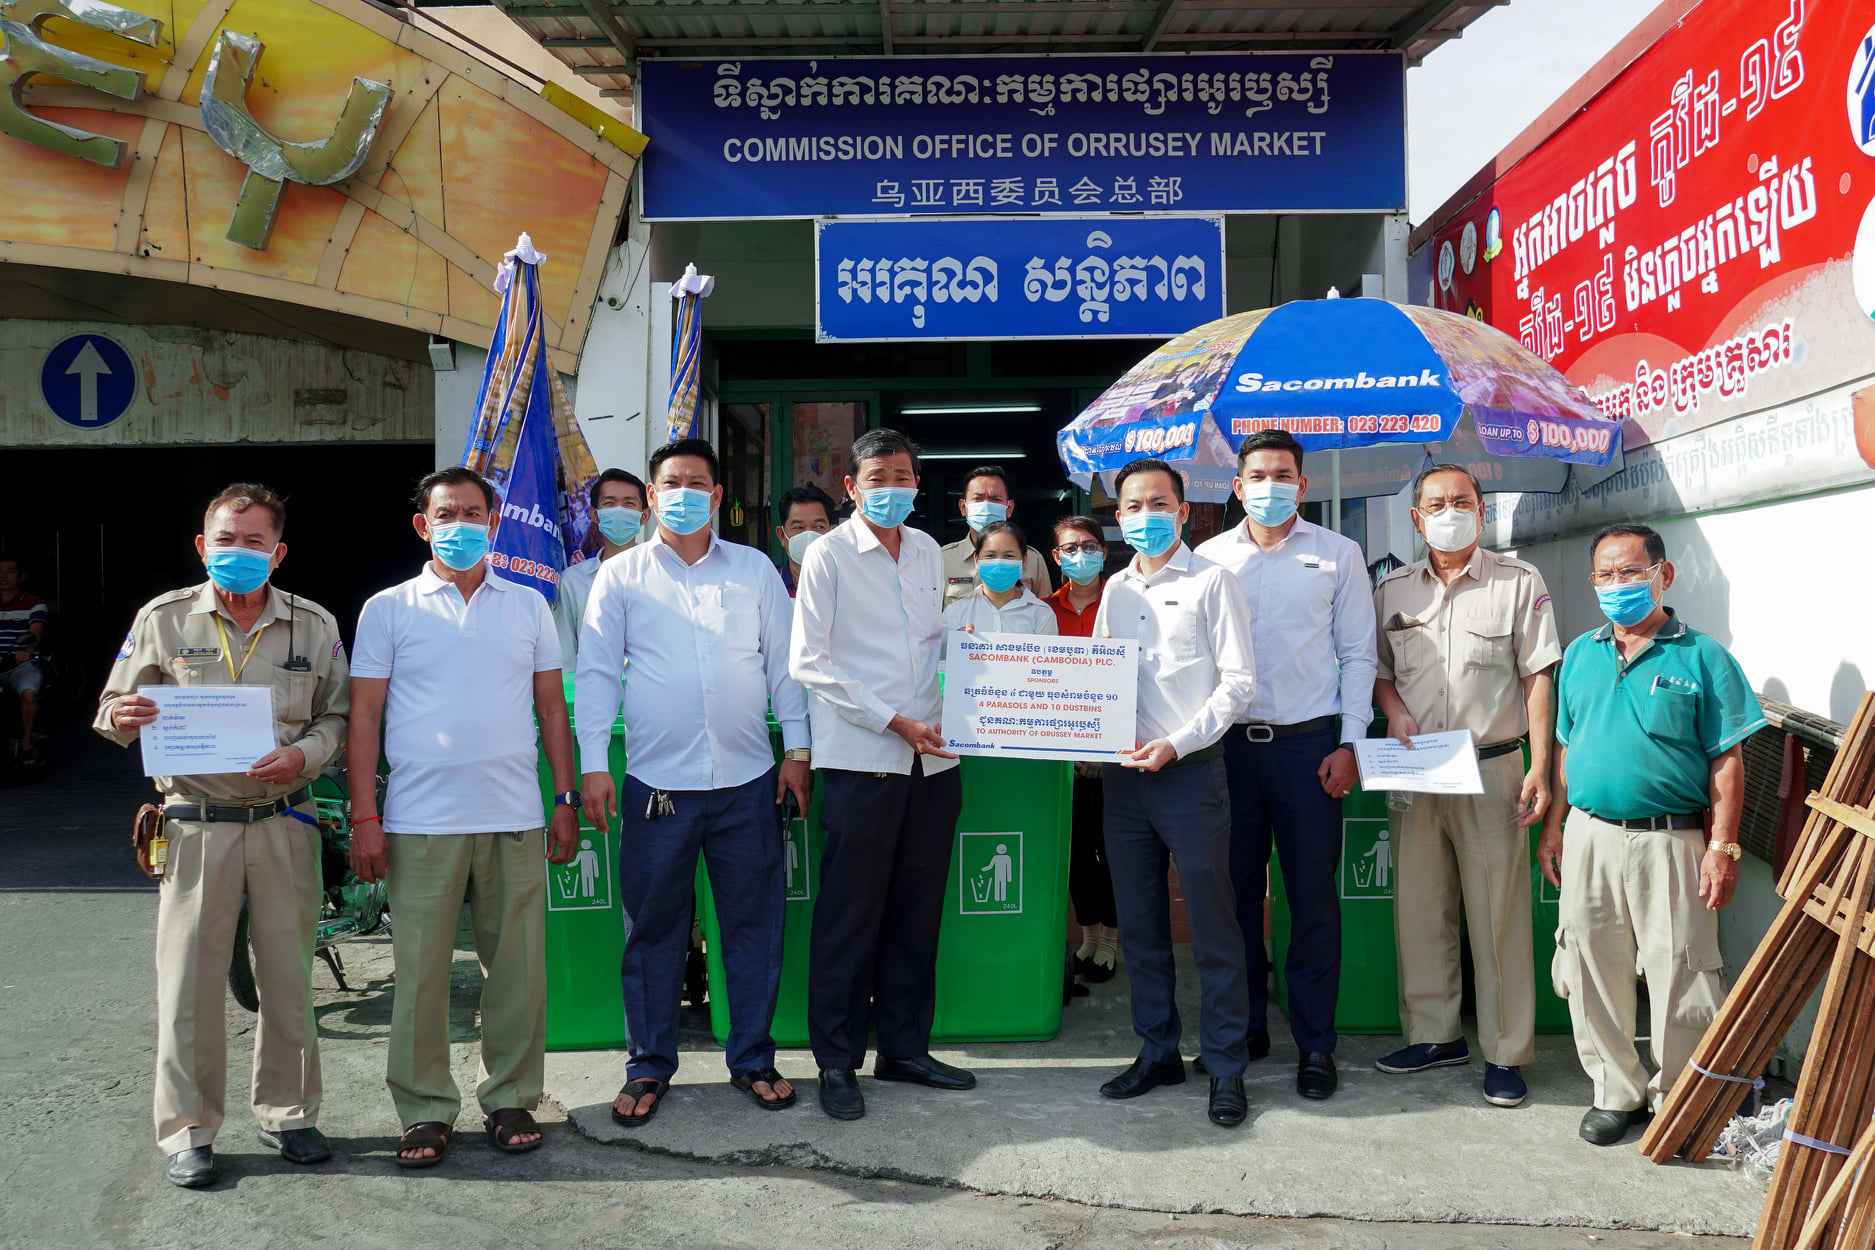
198, 655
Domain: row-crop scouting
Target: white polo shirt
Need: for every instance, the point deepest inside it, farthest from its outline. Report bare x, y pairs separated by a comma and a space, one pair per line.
459, 713
1025, 614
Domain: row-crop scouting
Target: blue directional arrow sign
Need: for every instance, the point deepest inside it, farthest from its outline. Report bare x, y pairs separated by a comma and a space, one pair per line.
88, 381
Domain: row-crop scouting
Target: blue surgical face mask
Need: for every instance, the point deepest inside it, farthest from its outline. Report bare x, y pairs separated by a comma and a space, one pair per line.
1629, 604
460, 545
887, 506
983, 513
1082, 567
1270, 503
620, 525
1150, 533
238, 570
683, 509
999, 575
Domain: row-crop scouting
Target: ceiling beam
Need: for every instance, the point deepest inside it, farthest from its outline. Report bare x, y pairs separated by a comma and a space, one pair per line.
885, 24
577, 41
1422, 20
607, 20
1160, 20
602, 71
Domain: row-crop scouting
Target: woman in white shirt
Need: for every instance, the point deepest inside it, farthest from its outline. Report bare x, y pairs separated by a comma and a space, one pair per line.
1000, 603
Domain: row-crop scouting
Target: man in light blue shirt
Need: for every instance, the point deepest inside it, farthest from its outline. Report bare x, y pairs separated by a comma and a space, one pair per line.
699, 627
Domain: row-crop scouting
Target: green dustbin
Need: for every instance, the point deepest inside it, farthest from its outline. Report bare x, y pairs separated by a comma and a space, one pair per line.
586, 927
1369, 999
1000, 951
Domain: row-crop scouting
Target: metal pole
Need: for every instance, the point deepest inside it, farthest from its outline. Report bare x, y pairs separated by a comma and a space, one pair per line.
1334, 477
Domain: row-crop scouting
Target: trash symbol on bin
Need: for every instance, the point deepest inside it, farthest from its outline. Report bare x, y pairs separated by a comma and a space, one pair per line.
989, 868
1366, 859
583, 883
800, 871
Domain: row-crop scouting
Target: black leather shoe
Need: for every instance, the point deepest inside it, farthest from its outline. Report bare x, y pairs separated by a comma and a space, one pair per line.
1229, 1104
924, 1070
193, 1168
298, 1145
839, 1094
1257, 1046
1605, 1128
1315, 1075
1144, 1077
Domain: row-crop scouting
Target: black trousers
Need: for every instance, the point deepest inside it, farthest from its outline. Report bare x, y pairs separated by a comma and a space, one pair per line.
873, 958
1090, 882
1178, 815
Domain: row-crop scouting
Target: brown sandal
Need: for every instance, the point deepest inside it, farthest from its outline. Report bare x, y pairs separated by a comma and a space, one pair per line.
505, 1125
431, 1133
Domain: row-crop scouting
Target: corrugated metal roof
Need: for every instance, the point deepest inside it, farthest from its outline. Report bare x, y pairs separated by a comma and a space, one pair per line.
603, 39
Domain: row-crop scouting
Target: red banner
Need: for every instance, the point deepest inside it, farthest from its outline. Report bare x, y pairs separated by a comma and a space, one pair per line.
1698, 243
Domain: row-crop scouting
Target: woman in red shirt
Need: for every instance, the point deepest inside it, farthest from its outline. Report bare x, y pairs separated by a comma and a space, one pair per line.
1081, 551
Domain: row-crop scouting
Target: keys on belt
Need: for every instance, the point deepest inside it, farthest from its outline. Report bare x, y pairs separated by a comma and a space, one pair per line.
238, 814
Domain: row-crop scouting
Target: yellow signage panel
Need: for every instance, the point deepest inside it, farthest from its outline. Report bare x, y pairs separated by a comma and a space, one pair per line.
429, 192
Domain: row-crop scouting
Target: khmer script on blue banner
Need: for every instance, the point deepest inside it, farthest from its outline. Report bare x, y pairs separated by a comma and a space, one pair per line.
1016, 278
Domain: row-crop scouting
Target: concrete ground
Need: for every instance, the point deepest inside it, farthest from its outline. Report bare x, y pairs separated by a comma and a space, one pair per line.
1032, 1158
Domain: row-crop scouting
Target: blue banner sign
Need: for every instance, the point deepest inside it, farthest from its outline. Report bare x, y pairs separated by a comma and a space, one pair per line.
1234, 132
1017, 278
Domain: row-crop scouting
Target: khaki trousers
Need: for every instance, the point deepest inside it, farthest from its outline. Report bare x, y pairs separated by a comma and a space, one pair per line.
1632, 900
1467, 847
275, 862
503, 877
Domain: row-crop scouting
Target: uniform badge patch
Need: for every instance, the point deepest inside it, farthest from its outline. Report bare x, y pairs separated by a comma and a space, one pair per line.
338, 648
1542, 601
130, 644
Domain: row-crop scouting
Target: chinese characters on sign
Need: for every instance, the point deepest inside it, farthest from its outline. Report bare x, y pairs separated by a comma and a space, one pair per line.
1231, 132
1032, 277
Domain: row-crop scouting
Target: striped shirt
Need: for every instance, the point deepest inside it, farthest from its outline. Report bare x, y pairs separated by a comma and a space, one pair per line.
17, 618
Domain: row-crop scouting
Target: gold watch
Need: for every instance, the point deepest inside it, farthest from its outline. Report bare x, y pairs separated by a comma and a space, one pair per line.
1731, 850
801, 754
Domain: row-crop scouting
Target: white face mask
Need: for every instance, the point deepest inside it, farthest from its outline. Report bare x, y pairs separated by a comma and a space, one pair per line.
798, 545
1450, 530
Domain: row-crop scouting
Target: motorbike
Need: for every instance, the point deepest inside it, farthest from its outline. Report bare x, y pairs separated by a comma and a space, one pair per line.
349, 907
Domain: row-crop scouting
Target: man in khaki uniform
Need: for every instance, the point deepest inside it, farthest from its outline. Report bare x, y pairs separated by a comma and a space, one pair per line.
986, 501
232, 833
1467, 640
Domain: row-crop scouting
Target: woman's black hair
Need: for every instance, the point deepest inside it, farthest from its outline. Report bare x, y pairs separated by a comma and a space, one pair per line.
1001, 527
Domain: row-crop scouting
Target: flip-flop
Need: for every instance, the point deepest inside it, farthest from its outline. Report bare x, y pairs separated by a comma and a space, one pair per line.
431, 1133
638, 1089
504, 1125
745, 1081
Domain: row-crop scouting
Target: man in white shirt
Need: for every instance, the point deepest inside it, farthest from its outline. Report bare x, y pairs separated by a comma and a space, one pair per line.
868, 632
985, 501
1165, 800
1292, 763
618, 507
456, 664
700, 628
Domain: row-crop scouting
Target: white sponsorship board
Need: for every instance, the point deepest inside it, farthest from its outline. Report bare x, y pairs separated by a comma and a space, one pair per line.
1039, 697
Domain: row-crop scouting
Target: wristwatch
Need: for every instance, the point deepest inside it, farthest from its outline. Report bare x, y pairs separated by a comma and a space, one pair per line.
1731, 850
567, 798
801, 754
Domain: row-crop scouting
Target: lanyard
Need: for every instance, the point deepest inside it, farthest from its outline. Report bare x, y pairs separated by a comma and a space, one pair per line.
227, 654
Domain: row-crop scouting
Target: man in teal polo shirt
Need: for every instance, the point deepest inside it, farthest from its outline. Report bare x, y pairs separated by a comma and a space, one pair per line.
1649, 717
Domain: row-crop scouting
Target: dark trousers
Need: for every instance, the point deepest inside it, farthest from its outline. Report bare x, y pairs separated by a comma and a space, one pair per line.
873, 959
738, 832
1276, 796
1090, 883
1181, 815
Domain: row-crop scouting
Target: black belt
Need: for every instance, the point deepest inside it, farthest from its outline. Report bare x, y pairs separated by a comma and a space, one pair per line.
1658, 824
1256, 731
217, 813
1500, 748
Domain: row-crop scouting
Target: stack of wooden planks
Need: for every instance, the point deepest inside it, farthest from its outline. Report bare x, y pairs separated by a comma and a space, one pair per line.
1821, 1197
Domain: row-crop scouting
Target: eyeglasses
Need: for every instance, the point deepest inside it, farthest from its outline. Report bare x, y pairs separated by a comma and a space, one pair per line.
1434, 509
1086, 549
1620, 577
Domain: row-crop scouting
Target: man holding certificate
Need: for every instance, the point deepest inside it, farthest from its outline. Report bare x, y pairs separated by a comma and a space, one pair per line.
1166, 799
234, 833
1468, 642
